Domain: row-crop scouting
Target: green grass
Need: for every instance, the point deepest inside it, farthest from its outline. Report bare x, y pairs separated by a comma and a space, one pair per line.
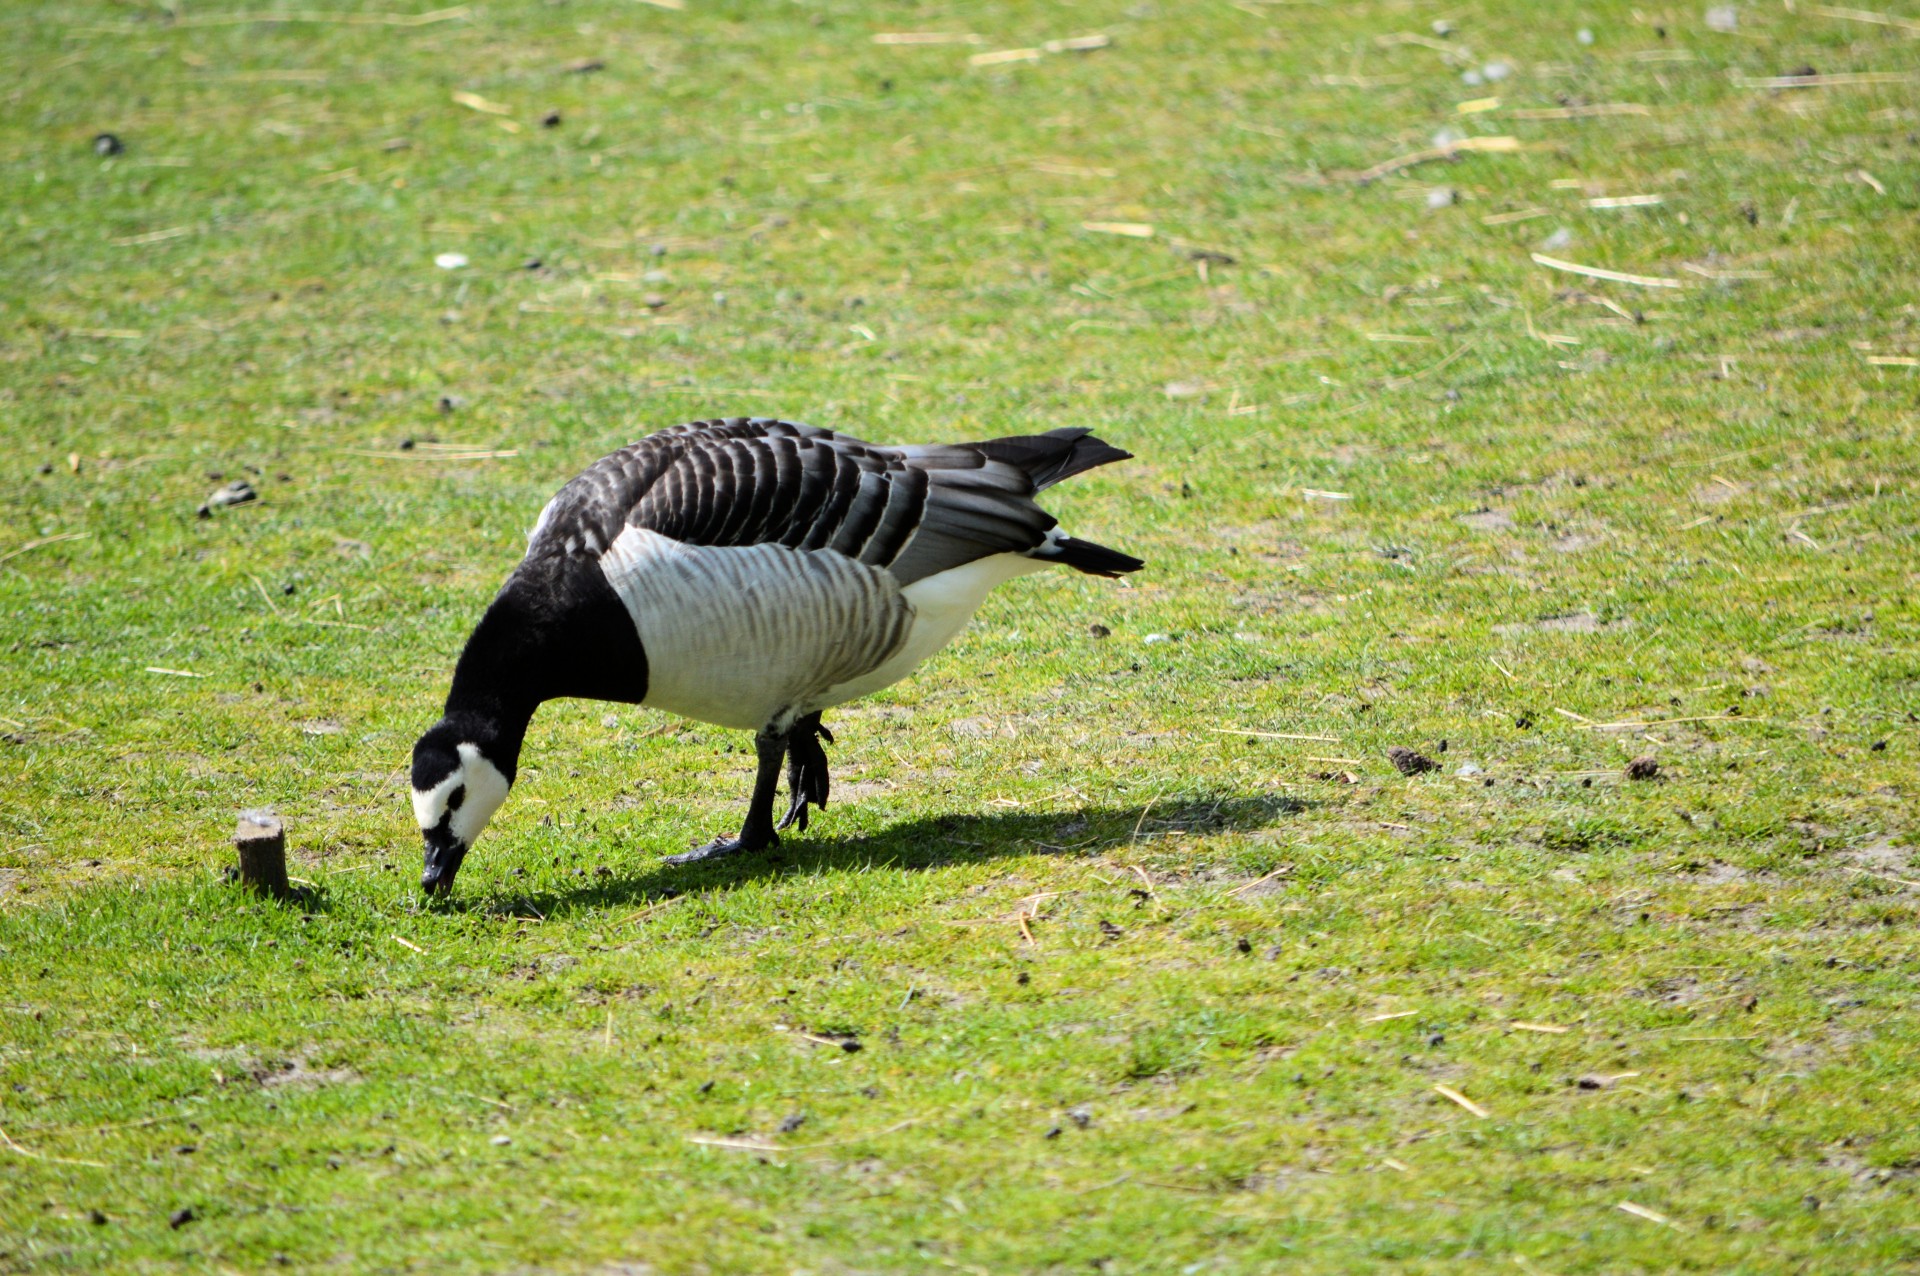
1715, 482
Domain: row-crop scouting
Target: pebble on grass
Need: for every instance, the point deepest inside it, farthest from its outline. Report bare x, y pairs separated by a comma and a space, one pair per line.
1645, 767
238, 492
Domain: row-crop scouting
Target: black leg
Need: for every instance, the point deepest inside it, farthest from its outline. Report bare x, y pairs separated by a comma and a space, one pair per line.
757, 834
807, 779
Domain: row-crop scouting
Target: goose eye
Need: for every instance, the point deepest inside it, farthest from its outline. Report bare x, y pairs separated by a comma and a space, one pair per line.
455, 798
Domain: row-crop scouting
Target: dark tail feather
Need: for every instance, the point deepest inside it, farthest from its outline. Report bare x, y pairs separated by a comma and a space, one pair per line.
1086, 556
1073, 450
1046, 458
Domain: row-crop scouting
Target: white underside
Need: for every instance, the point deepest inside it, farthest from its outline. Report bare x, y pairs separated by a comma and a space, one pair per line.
761, 635
942, 605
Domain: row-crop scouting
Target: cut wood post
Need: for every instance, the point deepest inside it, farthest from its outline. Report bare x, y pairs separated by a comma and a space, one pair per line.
262, 843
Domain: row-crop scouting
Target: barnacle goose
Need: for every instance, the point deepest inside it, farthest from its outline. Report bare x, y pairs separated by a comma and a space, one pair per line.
746, 572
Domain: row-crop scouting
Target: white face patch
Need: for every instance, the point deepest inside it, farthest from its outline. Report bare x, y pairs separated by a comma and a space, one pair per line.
482, 789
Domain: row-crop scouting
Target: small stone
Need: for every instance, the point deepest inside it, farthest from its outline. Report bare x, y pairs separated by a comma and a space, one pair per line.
1081, 1116
500, 1140
97, 1218
1557, 240
550, 120
1468, 770
238, 492
1099, 631
1645, 767
793, 1123
1472, 79
1153, 638
1723, 18
1583, 36
450, 261
1442, 28
106, 144
181, 1217
1442, 197
1496, 71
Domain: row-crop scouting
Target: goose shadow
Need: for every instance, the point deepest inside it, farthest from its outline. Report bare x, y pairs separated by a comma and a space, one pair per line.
909, 847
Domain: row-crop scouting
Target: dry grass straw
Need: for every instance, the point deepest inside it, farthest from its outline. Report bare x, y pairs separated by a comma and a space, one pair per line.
1615, 276
1449, 1093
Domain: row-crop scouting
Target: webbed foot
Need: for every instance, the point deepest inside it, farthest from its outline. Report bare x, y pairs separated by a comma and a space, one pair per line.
807, 778
720, 846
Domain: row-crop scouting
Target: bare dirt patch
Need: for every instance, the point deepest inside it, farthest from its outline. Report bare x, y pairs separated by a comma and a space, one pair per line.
1716, 493
1575, 622
1881, 855
297, 1074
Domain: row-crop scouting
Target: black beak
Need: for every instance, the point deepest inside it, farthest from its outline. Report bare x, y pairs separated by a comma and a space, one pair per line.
444, 854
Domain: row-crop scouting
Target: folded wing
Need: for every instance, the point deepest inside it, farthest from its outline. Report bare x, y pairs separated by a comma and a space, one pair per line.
915, 511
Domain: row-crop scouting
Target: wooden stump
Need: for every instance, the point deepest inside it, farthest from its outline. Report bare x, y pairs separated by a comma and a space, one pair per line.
262, 843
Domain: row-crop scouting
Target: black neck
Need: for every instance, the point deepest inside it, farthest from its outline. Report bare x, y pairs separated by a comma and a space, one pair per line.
493, 699
549, 633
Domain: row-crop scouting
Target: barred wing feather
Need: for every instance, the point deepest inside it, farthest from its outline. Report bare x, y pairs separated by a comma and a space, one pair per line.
916, 511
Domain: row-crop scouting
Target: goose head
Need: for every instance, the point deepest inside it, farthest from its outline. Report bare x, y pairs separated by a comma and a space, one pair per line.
456, 790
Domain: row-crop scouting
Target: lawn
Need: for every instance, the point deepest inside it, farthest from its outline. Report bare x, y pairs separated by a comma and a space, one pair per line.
1534, 390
